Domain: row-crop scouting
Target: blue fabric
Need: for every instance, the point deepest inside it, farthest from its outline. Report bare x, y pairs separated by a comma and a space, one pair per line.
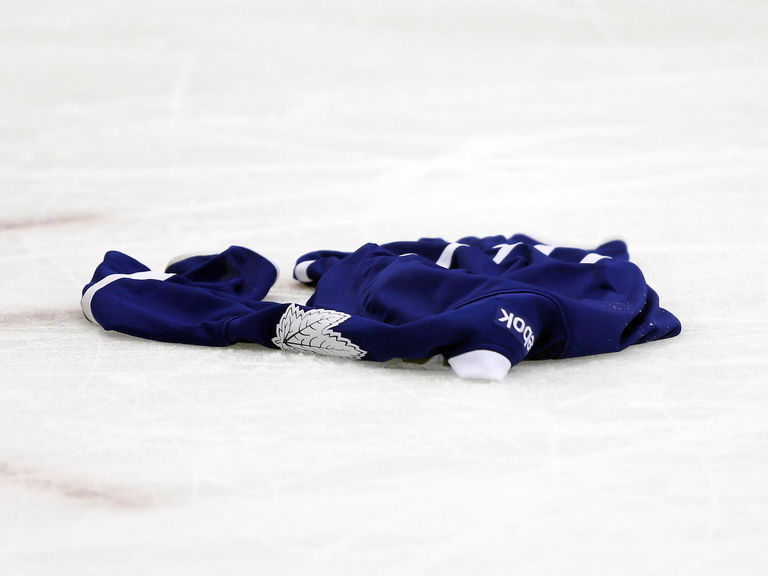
510, 295
593, 308
195, 305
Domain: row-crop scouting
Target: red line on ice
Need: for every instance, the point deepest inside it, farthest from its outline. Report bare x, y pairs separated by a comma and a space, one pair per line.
39, 317
74, 490
40, 222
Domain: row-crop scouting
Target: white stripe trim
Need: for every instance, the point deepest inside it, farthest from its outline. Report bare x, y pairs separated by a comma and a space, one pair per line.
300, 271
447, 255
482, 364
545, 249
180, 257
593, 257
504, 250
87, 298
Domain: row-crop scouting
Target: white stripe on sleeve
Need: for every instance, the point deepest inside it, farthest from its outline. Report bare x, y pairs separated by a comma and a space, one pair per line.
447, 255
300, 271
87, 298
545, 249
504, 250
593, 257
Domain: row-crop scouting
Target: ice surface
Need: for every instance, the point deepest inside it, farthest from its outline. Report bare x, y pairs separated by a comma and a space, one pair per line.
163, 127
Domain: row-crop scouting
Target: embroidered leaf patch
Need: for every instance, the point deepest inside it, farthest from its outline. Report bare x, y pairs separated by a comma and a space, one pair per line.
310, 331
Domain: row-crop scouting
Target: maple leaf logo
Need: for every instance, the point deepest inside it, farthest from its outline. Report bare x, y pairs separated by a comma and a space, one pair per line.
310, 331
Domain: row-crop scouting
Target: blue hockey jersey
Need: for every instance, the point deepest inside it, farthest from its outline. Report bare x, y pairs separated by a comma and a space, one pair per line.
484, 304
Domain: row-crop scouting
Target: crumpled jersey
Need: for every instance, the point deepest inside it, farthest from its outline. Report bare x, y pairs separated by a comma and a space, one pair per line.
484, 304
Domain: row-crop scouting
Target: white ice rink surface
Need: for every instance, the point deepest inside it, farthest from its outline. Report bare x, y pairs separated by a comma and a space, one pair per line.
162, 127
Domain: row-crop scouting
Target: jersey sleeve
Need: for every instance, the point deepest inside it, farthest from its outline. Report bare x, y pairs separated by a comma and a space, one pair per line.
192, 302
